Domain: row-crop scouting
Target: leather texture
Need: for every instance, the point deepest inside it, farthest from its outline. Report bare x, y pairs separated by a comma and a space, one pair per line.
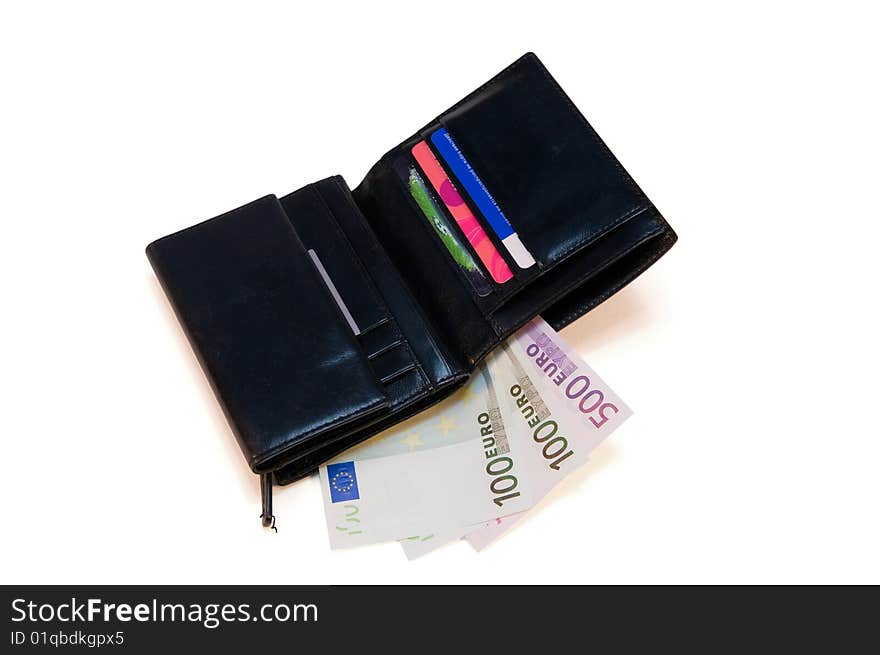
297, 384
269, 339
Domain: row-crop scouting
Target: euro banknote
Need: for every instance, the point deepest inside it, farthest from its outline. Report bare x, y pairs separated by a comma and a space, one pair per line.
557, 393
566, 408
456, 464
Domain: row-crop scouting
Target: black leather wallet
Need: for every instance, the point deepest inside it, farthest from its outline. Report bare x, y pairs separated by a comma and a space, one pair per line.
328, 315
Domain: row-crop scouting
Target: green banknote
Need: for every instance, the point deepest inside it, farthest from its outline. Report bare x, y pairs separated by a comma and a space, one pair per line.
455, 464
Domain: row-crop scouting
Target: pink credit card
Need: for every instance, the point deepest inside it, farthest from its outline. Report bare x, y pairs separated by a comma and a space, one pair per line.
464, 217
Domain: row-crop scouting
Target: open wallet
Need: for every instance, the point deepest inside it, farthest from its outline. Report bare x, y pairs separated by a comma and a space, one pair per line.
328, 315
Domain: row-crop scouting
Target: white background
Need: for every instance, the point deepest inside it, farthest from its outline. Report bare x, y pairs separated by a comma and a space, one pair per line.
749, 352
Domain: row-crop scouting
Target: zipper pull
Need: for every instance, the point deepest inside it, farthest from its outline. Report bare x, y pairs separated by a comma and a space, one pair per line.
266, 492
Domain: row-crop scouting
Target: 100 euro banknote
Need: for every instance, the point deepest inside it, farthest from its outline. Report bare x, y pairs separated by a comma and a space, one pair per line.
455, 464
565, 408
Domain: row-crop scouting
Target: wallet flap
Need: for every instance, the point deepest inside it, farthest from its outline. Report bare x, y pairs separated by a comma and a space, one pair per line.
277, 349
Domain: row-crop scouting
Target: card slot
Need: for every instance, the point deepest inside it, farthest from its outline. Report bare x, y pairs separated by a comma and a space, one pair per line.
556, 181
380, 338
392, 361
384, 350
478, 278
376, 325
448, 305
502, 292
431, 235
396, 374
464, 214
521, 275
486, 305
435, 359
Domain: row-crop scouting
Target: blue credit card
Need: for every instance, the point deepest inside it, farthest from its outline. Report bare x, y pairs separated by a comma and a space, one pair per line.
461, 168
